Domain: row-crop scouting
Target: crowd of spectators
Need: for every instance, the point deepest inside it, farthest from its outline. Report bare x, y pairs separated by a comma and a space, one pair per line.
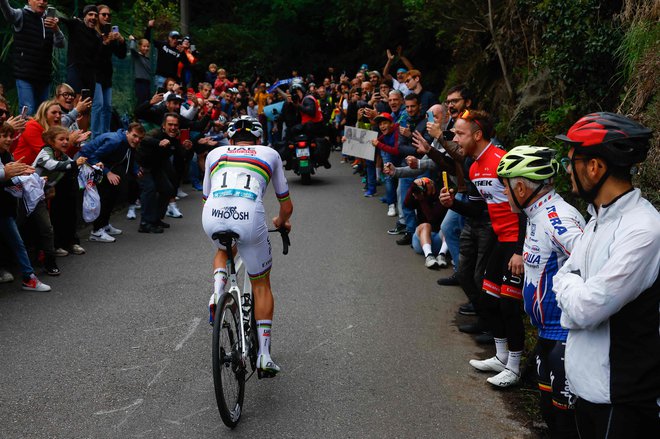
435, 164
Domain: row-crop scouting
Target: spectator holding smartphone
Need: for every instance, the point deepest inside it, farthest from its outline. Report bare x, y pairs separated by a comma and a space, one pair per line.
113, 44
35, 34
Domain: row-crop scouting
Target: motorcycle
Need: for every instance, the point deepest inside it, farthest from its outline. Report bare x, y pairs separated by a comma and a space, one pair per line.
303, 155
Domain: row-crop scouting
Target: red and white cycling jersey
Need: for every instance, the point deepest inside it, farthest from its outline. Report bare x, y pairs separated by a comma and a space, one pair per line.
483, 174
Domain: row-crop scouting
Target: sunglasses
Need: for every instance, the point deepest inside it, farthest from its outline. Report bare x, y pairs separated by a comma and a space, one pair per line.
465, 115
105, 14
4, 112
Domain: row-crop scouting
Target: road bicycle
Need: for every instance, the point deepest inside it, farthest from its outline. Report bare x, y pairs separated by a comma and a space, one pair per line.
235, 342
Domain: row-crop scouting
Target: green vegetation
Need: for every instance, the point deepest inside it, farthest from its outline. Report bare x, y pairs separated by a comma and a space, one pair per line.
536, 65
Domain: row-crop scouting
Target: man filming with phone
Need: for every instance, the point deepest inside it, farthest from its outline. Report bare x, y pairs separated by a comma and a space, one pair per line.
36, 31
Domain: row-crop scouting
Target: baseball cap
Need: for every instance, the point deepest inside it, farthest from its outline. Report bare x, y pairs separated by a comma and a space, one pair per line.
402, 70
384, 116
172, 97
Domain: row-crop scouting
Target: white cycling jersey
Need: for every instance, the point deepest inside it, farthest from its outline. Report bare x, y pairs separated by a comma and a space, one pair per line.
553, 227
235, 180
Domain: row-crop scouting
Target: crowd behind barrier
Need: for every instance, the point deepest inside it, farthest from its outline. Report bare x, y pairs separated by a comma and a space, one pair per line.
439, 171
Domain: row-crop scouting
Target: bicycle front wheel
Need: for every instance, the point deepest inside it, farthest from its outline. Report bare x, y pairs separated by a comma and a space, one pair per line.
228, 370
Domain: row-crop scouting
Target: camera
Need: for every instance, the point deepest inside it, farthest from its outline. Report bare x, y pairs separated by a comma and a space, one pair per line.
448, 135
418, 189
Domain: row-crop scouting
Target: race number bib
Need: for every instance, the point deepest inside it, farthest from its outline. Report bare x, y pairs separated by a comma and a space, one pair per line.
236, 183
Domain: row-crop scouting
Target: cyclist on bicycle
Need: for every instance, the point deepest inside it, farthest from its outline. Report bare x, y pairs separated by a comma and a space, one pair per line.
235, 180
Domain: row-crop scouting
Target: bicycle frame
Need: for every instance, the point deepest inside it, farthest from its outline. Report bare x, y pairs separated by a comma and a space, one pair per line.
234, 264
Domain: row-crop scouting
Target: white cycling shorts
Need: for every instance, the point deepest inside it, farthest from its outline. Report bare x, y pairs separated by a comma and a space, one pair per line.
248, 219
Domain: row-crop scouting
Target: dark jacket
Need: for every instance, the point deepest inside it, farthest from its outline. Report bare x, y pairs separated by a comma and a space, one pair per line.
104, 61
152, 156
84, 46
428, 208
32, 51
8, 203
167, 64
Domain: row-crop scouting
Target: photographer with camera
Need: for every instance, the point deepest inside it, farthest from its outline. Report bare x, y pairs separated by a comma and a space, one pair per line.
422, 197
170, 53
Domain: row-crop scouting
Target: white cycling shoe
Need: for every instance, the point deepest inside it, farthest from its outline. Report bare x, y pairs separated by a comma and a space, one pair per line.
506, 378
266, 367
492, 364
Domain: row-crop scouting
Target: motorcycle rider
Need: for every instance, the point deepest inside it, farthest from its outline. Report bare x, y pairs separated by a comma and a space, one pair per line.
311, 121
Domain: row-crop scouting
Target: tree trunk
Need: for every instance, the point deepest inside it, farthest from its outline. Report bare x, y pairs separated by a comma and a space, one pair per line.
498, 50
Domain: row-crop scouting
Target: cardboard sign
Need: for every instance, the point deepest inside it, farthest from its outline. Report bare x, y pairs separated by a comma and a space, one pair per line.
358, 143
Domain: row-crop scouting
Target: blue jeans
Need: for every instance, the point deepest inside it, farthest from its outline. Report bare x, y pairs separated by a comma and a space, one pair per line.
451, 230
436, 243
31, 95
101, 110
390, 182
371, 176
409, 217
9, 232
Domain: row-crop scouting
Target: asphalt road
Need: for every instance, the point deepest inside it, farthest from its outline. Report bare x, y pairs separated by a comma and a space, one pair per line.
367, 341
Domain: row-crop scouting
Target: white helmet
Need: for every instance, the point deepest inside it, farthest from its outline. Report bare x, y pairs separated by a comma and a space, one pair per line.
245, 124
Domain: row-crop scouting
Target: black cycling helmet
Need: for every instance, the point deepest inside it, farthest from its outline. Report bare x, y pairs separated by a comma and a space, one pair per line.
245, 128
618, 140
297, 85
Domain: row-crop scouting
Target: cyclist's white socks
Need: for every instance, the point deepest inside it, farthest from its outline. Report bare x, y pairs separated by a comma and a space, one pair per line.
426, 248
219, 280
263, 331
444, 248
502, 349
513, 363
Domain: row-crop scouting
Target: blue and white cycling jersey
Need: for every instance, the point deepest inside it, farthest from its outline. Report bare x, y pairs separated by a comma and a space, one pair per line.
553, 227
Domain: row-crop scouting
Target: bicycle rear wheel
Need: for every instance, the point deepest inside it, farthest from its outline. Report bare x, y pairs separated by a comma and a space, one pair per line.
228, 370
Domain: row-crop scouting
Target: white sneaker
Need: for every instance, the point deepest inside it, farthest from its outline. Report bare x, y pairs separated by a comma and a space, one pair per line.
173, 211
61, 252
488, 365
431, 262
5, 276
101, 236
442, 261
34, 284
77, 250
181, 194
130, 214
391, 210
112, 230
506, 378
266, 364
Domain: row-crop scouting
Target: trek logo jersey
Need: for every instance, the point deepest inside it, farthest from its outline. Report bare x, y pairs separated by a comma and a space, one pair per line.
483, 174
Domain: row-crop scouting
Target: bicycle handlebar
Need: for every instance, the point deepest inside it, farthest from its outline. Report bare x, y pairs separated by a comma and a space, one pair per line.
286, 242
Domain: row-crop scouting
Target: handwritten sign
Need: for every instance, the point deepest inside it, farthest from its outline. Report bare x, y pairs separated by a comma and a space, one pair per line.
358, 143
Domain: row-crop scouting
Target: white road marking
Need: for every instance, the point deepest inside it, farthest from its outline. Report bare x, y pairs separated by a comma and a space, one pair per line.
196, 322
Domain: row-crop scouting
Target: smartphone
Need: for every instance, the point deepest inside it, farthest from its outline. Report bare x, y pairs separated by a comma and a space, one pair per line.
429, 116
106, 28
85, 93
51, 12
24, 112
160, 90
115, 29
444, 180
193, 47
